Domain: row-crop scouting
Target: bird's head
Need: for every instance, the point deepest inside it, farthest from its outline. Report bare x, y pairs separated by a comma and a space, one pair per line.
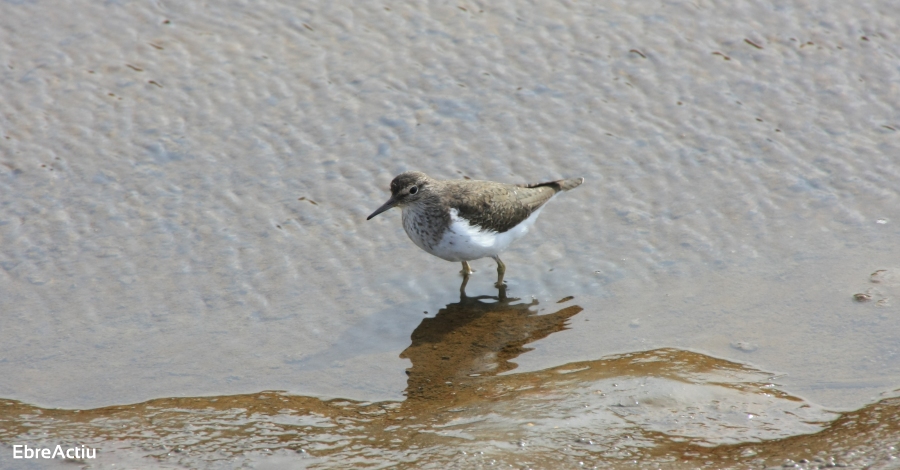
406, 188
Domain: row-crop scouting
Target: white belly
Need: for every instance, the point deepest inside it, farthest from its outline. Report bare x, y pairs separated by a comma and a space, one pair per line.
464, 242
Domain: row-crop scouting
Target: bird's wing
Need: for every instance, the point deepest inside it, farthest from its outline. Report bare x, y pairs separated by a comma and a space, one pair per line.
558, 185
499, 207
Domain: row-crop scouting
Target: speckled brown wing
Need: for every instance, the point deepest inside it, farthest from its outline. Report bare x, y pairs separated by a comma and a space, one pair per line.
499, 207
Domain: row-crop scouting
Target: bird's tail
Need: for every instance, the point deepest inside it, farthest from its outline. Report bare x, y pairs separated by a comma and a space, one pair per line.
558, 185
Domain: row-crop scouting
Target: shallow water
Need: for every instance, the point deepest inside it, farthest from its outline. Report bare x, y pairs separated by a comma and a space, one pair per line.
663, 408
185, 190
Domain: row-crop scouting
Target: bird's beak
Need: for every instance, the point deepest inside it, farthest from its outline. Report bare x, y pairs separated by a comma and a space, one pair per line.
387, 205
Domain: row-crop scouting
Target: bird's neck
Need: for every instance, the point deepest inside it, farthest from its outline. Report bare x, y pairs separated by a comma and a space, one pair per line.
426, 220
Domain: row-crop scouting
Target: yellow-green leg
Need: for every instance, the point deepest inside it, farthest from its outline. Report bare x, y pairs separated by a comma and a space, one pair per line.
501, 270
462, 288
466, 269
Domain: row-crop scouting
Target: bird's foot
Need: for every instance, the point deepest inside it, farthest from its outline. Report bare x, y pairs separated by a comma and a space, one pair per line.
466, 269
501, 270
462, 287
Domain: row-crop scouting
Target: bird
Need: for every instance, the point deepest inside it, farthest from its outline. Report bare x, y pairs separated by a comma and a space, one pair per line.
465, 220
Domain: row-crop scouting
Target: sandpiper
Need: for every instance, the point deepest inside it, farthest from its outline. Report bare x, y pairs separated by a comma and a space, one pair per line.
464, 220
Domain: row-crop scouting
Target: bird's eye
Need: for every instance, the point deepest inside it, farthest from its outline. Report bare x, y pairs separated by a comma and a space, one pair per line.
413, 190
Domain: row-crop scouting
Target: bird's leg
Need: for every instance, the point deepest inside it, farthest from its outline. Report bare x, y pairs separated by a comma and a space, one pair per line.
462, 288
501, 270
466, 270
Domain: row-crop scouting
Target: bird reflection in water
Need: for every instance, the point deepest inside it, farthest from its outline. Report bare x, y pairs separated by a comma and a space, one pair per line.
475, 338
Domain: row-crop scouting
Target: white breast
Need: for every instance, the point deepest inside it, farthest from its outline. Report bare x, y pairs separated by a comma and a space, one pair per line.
465, 242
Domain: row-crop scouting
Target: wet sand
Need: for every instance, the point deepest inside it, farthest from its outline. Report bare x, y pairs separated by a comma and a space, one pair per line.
183, 228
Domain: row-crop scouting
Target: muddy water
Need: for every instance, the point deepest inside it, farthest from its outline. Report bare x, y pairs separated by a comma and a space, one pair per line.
184, 191
661, 408
460, 411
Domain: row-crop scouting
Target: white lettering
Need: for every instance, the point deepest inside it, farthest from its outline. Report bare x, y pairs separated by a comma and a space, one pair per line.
22, 451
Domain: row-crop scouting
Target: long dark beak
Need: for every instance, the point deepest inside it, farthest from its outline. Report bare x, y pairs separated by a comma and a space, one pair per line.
387, 205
